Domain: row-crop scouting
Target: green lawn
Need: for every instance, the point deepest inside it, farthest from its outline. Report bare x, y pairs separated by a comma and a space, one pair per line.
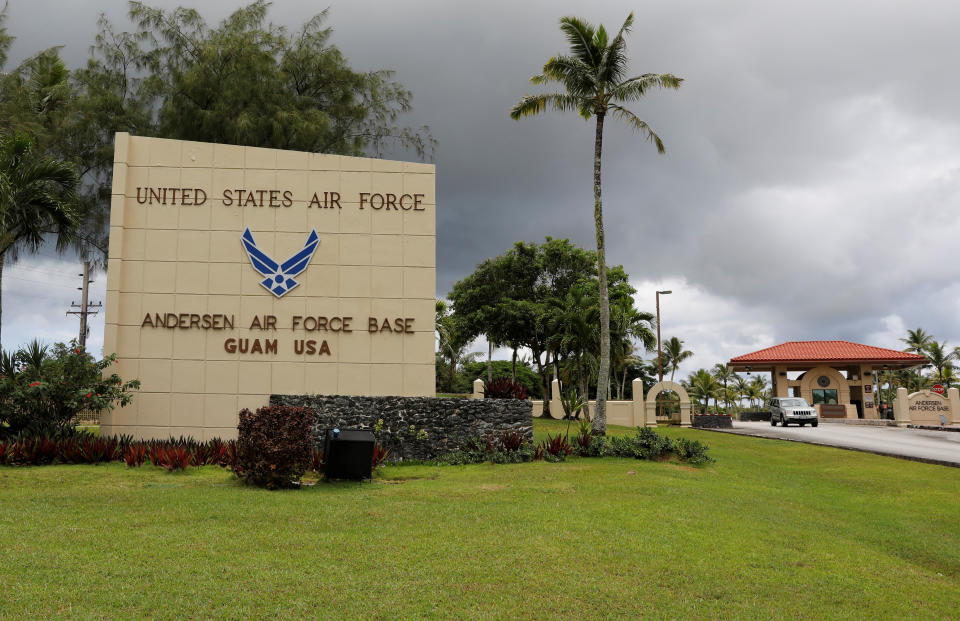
772, 530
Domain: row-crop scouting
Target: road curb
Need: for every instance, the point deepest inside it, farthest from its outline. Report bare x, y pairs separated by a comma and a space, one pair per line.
925, 460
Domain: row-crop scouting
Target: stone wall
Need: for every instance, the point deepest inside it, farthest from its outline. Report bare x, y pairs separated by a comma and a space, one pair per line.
712, 421
416, 427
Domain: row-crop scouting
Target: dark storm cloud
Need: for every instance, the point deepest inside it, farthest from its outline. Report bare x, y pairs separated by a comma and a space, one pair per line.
810, 188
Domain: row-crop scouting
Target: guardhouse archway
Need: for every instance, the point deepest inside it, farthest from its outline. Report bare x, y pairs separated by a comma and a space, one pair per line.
650, 404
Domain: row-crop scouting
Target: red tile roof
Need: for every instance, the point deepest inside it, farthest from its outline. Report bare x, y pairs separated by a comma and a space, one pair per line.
826, 351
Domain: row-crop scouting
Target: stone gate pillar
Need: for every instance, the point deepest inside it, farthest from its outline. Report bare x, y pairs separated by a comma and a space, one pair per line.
900, 409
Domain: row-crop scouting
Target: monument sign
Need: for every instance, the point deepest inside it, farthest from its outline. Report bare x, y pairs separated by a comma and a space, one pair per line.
239, 272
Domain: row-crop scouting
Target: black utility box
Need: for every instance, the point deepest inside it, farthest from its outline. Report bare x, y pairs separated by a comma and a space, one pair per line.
348, 453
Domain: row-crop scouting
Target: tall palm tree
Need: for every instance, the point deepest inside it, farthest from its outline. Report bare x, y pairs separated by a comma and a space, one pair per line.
37, 198
674, 354
593, 76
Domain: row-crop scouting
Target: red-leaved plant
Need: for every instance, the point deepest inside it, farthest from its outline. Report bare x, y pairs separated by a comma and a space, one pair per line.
557, 447
504, 388
275, 445
135, 454
174, 458
380, 455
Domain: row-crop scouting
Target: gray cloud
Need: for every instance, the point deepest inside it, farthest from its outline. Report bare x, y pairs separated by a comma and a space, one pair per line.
810, 189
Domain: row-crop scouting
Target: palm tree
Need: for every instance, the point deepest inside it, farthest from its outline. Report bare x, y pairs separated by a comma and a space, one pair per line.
939, 357
741, 385
37, 198
917, 341
627, 324
593, 78
948, 375
703, 386
757, 388
723, 374
453, 343
674, 354
573, 335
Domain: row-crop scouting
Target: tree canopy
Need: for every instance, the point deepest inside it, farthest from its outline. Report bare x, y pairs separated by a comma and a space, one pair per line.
545, 298
244, 81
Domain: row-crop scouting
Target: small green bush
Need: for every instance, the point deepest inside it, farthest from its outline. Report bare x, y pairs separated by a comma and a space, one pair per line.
274, 445
692, 451
589, 445
645, 444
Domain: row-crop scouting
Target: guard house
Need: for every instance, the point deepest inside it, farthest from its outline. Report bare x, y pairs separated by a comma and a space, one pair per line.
836, 376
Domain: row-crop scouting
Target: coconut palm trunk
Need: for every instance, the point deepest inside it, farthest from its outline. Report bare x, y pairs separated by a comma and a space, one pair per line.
2, 257
600, 416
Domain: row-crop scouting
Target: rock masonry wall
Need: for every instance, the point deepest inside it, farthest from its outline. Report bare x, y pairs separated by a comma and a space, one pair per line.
416, 427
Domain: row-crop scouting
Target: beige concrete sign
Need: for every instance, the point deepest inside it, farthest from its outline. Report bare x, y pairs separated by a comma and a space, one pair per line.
926, 407
238, 272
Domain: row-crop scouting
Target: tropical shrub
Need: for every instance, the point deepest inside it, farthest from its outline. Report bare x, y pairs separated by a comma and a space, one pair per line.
645, 444
275, 445
589, 445
692, 451
556, 448
506, 447
42, 390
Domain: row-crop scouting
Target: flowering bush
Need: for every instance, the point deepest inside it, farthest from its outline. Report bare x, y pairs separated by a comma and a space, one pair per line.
42, 390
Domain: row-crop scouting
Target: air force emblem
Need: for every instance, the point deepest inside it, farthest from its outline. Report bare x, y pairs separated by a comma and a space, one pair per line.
279, 276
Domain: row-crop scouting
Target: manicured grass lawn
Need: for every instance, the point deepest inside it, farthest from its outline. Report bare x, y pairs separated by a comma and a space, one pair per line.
772, 530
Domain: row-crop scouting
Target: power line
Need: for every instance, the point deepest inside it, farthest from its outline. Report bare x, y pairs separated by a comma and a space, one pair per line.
39, 282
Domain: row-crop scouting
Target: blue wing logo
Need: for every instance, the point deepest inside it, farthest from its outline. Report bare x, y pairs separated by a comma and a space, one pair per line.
279, 277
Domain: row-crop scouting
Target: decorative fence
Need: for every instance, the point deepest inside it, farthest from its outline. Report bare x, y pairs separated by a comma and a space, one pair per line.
639, 412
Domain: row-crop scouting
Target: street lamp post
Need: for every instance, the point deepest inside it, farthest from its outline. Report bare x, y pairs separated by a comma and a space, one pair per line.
660, 351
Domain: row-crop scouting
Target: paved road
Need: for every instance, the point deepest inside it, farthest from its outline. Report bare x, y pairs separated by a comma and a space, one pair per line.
918, 444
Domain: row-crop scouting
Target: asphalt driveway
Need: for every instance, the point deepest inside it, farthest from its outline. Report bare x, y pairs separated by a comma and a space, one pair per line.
939, 447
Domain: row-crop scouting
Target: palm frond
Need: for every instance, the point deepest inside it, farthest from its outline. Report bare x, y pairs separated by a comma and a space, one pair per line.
530, 105
638, 125
613, 63
580, 34
577, 76
636, 87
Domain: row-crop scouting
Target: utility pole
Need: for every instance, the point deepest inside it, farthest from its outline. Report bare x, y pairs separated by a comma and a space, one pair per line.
660, 350
85, 308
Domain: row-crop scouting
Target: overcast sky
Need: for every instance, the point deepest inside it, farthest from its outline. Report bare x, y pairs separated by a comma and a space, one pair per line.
810, 188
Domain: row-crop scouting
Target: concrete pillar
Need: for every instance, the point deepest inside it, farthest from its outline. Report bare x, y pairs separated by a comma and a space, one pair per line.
953, 397
477, 389
639, 409
900, 412
684, 406
556, 406
781, 385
